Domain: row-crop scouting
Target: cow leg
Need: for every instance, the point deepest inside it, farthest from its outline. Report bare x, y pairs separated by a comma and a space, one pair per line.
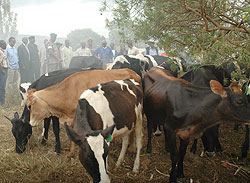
182, 153
150, 128
56, 130
194, 146
171, 140
71, 153
216, 139
236, 127
245, 145
45, 131
166, 139
138, 138
125, 141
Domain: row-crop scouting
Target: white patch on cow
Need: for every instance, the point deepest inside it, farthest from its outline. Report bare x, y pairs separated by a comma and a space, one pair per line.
158, 131
134, 82
43, 132
160, 67
25, 86
152, 60
142, 58
178, 62
122, 83
121, 59
95, 99
96, 145
46, 74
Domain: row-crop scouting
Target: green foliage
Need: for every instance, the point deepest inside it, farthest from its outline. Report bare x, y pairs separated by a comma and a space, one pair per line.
78, 35
215, 30
8, 19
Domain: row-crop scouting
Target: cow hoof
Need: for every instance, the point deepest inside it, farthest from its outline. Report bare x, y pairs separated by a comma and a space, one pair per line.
136, 170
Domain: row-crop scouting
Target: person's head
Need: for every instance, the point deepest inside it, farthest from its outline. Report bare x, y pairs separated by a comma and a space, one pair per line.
130, 44
151, 43
90, 42
67, 43
45, 41
12, 41
83, 44
2, 44
58, 44
25, 40
32, 39
112, 45
122, 47
53, 37
104, 43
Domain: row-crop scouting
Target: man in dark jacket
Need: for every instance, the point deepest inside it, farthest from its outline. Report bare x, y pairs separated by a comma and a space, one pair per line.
34, 58
24, 61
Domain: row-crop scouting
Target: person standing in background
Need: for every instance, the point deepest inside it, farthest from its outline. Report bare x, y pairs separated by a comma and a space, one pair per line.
115, 53
43, 57
25, 68
104, 53
3, 71
83, 50
13, 79
151, 49
58, 44
67, 54
54, 61
123, 50
34, 58
132, 50
90, 45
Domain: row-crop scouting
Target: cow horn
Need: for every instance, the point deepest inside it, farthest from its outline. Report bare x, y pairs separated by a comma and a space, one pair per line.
8, 118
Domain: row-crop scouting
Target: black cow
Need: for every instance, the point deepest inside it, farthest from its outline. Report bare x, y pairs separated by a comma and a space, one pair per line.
99, 108
187, 110
86, 62
202, 76
140, 66
19, 131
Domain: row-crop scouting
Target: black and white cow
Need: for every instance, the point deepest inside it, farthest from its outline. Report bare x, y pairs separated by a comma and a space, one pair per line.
109, 109
22, 125
86, 62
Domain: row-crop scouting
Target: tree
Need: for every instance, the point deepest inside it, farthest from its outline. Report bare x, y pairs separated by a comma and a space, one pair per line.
8, 20
84, 34
215, 30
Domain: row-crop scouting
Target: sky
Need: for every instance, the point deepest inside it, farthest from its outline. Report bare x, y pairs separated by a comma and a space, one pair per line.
42, 17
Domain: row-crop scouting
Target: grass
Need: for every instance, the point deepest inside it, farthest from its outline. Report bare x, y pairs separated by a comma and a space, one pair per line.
39, 164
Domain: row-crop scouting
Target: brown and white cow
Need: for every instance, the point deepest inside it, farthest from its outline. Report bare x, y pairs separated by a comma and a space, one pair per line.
115, 104
61, 100
186, 110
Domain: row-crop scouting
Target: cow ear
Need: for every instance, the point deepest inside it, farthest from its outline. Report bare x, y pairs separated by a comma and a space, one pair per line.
16, 116
107, 133
217, 88
73, 136
234, 87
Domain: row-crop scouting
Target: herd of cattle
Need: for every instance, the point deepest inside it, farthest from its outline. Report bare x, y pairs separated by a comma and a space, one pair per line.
97, 105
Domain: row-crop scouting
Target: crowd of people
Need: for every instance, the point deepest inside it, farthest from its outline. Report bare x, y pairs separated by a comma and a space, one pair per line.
27, 62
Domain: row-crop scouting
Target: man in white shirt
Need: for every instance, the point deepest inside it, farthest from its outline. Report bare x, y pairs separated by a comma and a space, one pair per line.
83, 50
67, 54
132, 50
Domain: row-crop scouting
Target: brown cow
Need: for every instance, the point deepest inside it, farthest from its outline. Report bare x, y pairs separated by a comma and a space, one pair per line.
61, 100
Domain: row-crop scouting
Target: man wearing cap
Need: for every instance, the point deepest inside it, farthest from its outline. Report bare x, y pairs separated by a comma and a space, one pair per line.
53, 60
34, 58
151, 49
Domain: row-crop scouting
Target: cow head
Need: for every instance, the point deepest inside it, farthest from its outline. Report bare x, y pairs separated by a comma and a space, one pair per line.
21, 131
23, 92
37, 108
93, 151
234, 102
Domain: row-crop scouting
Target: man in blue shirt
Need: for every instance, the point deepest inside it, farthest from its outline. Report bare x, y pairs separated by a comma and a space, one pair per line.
13, 72
104, 53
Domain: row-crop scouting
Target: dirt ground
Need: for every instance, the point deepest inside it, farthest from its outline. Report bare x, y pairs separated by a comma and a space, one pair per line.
40, 163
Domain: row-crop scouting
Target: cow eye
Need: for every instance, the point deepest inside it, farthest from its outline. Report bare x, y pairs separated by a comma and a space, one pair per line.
240, 102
